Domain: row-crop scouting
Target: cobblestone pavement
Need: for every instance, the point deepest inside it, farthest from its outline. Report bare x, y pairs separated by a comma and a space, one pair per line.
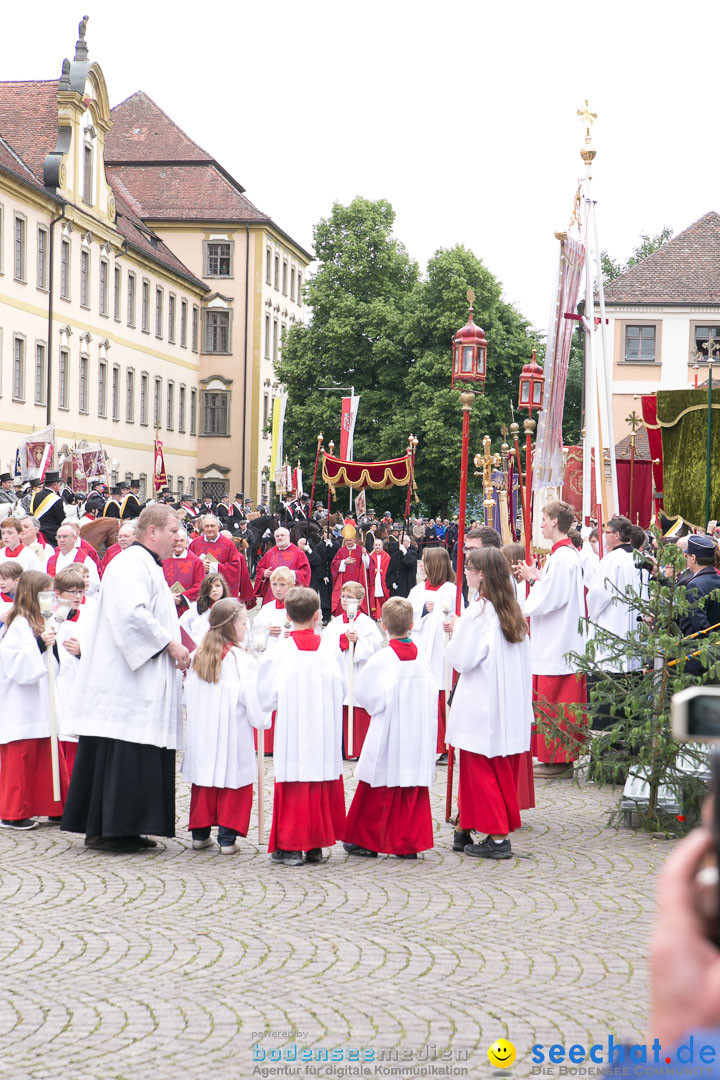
169, 964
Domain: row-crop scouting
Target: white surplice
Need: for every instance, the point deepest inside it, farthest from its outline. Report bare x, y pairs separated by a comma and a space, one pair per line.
606, 608
194, 624
556, 605
27, 558
25, 710
81, 629
369, 641
427, 631
272, 616
220, 750
307, 690
491, 711
401, 697
128, 687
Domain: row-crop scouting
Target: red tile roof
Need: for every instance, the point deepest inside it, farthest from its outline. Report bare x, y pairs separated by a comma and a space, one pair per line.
143, 239
685, 270
642, 446
189, 192
142, 132
29, 120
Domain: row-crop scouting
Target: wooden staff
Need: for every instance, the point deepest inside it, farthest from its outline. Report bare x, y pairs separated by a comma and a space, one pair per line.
312, 492
46, 602
351, 606
448, 689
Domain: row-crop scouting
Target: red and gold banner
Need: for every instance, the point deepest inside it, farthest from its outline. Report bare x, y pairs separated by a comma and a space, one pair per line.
359, 474
159, 473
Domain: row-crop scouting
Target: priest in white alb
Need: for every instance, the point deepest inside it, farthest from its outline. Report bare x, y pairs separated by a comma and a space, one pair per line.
128, 714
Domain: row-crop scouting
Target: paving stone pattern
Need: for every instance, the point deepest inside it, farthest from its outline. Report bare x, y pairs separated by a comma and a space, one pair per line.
162, 965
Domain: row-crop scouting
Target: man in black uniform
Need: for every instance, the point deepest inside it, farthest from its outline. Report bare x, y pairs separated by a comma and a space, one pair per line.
112, 506
48, 507
130, 504
8, 498
95, 502
705, 581
236, 515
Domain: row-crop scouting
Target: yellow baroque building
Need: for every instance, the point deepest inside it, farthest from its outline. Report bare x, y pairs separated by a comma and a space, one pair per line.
141, 293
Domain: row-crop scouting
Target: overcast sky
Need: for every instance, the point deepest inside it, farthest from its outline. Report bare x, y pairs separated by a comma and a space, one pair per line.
461, 114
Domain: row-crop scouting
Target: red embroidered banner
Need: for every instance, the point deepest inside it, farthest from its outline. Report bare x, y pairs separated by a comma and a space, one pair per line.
359, 474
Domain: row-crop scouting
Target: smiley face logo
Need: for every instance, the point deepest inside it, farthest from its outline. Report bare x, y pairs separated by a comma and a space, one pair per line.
501, 1054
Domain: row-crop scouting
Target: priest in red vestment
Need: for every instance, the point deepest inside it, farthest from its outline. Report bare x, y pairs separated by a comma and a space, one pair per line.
377, 579
283, 554
126, 535
351, 563
184, 573
211, 547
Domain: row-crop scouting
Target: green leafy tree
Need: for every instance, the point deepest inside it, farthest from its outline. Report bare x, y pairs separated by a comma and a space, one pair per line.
612, 268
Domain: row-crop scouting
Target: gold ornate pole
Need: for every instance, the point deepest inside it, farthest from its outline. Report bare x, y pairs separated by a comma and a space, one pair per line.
635, 422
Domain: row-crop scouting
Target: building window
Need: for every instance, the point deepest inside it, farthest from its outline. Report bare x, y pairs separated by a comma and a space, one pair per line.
143, 486
215, 412
144, 398
283, 335
103, 286
2, 234
83, 396
285, 278
701, 336
158, 313
181, 408
146, 306
42, 248
102, 388
65, 269
117, 298
169, 482
266, 405
40, 377
218, 260
192, 487
88, 174
277, 271
85, 279
640, 344
19, 369
275, 341
170, 405
64, 379
130, 396
183, 323
299, 288
193, 412
171, 317
267, 336
217, 331
19, 248
156, 403
116, 392
195, 327
131, 300
292, 283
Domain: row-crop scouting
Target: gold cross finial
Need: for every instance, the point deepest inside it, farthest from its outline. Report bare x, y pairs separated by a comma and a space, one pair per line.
588, 118
634, 421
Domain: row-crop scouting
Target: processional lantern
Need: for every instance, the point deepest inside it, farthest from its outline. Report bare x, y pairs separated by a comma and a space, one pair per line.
469, 355
532, 386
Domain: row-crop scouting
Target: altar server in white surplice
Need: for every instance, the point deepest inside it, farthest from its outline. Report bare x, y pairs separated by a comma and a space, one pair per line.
606, 607
222, 710
128, 711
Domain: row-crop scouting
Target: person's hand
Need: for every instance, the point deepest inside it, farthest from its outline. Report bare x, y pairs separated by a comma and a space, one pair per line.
429, 605
267, 573
48, 636
527, 572
711, 527
684, 964
351, 635
179, 654
275, 631
178, 600
449, 623
72, 645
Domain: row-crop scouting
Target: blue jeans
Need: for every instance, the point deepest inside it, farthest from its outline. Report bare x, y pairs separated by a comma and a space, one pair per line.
225, 836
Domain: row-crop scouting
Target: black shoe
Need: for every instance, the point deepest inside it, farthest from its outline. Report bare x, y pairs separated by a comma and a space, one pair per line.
461, 838
22, 824
278, 856
144, 841
55, 819
356, 849
117, 845
442, 760
490, 849
412, 855
314, 855
287, 858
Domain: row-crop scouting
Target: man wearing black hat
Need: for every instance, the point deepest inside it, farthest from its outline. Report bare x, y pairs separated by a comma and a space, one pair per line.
8, 498
234, 515
48, 507
111, 508
95, 502
130, 505
704, 584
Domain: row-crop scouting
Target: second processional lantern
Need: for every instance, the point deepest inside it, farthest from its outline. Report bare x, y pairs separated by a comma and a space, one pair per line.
469, 352
532, 383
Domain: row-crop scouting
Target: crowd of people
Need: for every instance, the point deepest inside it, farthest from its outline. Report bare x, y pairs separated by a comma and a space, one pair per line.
341, 648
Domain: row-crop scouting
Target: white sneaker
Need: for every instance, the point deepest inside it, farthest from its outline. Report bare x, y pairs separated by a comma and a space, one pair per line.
229, 849
198, 845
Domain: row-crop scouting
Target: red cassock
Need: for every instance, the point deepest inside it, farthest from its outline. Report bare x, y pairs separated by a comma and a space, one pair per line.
379, 562
90, 550
189, 570
354, 571
291, 557
110, 554
231, 564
